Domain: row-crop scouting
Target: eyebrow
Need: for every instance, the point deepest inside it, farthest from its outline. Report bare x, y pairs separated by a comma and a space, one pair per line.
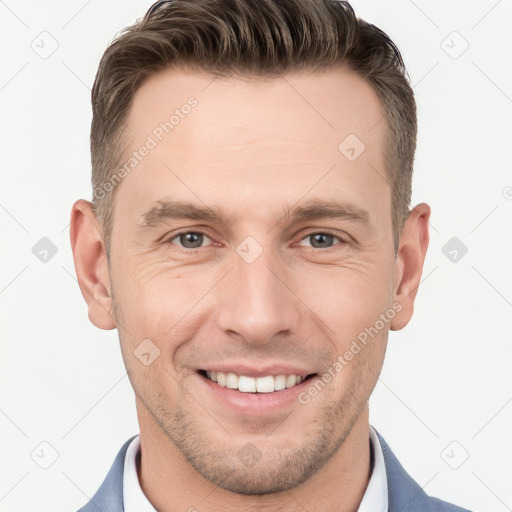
312, 210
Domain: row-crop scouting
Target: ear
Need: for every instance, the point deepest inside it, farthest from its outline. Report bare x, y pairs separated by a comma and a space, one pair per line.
91, 264
411, 254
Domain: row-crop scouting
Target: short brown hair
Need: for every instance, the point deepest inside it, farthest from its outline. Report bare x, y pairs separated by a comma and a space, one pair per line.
250, 38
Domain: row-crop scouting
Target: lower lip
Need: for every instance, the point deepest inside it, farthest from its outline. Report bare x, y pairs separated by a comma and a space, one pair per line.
255, 404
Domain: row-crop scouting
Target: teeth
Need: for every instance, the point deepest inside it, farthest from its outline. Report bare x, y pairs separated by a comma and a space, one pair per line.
245, 384
221, 379
263, 384
231, 380
280, 382
291, 380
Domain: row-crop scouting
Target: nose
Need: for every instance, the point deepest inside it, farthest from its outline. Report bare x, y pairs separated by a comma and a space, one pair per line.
255, 301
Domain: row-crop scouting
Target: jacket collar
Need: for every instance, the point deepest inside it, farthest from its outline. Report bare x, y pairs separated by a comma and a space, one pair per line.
404, 494
109, 497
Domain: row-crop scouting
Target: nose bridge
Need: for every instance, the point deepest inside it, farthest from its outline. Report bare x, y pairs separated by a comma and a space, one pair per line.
254, 302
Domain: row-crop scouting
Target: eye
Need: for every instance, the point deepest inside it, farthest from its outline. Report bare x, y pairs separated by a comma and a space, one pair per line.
322, 240
189, 239
194, 240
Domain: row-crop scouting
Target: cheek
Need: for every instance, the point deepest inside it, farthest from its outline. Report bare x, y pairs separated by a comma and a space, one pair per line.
154, 294
356, 305
162, 305
349, 298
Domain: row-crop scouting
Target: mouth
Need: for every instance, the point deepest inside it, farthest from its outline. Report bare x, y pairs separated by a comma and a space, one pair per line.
263, 384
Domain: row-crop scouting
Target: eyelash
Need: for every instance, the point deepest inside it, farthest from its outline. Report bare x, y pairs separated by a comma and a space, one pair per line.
315, 249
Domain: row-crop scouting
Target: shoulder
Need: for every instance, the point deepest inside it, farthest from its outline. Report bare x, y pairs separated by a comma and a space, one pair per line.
443, 506
404, 494
109, 497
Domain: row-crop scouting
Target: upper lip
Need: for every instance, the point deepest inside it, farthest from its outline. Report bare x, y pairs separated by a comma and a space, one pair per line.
259, 371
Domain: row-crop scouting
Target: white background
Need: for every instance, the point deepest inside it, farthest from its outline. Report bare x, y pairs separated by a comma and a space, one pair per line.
447, 376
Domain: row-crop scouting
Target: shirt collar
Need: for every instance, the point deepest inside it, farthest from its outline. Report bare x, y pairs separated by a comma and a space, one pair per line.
133, 497
375, 498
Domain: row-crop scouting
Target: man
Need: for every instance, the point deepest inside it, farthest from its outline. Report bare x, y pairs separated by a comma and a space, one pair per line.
250, 238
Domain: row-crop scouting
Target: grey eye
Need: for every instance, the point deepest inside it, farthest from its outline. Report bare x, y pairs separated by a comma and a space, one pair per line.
321, 240
190, 239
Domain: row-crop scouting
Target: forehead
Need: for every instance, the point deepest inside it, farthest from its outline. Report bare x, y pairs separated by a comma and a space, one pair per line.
244, 141
333, 101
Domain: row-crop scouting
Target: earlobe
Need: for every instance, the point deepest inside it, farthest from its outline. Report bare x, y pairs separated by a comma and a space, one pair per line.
409, 263
91, 264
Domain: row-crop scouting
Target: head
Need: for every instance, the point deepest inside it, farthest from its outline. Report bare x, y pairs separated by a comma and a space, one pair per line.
251, 168
191, 33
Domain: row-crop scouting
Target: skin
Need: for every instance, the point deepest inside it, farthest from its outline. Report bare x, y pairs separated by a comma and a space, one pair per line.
252, 147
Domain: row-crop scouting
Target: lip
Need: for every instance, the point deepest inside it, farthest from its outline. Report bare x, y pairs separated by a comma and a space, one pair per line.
254, 404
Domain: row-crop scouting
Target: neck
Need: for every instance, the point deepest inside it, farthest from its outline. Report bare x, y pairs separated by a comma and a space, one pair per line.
171, 483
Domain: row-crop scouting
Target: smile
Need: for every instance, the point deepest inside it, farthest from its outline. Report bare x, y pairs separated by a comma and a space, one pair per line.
245, 384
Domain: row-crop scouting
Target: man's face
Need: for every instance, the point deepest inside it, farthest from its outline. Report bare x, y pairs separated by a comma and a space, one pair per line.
259, 292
